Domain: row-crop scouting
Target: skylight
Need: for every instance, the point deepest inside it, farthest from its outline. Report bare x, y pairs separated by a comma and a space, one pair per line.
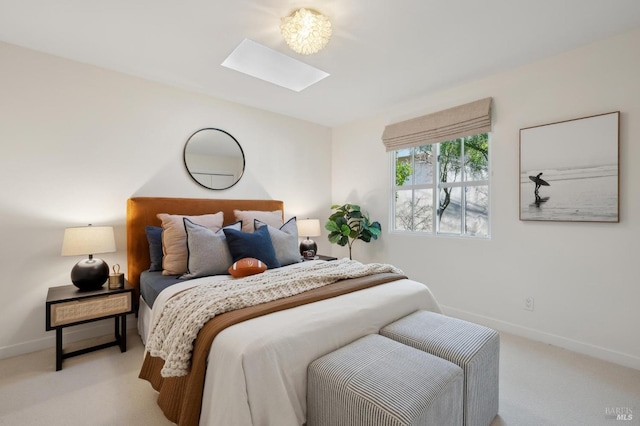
259, 61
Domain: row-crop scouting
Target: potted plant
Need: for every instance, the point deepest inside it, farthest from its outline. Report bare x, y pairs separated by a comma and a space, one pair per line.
347, 224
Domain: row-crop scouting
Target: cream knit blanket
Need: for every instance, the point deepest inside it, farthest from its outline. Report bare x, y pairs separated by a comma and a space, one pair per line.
186, 313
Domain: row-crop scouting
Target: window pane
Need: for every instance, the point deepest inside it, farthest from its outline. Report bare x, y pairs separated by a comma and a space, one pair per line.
403, 211
476, 157
449, 211
403, 169
450, 167
477, 210
423, 212
414, 214
423, 163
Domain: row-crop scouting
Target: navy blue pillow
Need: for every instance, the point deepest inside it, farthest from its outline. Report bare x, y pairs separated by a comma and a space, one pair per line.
257, 245
154, 237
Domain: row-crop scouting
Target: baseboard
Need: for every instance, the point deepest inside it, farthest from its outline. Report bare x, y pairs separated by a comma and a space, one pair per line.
71, 334
552, 339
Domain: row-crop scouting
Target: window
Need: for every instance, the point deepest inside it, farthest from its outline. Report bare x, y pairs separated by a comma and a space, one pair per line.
443, 188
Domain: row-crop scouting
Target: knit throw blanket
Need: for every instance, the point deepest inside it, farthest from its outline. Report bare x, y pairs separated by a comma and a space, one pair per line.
186, 313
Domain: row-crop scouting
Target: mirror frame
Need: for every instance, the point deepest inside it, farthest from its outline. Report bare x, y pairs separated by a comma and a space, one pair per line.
186, 166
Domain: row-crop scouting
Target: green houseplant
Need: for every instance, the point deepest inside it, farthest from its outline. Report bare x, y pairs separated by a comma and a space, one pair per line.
347, 224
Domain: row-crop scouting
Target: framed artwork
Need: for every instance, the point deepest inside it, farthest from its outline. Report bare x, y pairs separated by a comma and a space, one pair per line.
569, 171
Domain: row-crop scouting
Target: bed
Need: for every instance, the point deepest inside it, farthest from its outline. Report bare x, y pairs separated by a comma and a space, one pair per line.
250, 367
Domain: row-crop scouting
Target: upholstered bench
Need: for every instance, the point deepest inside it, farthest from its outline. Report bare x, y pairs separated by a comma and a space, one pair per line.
377, 381
471, 346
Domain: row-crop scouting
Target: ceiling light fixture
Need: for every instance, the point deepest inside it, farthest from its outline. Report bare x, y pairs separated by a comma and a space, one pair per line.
306, 31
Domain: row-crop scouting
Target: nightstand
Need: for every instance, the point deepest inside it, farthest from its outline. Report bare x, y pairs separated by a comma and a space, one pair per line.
68, 306
321, 257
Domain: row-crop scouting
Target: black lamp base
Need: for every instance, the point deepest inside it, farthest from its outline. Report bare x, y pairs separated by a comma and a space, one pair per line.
90, 274
307, 245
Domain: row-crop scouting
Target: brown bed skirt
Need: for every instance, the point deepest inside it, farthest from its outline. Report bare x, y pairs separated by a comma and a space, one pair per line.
180, 398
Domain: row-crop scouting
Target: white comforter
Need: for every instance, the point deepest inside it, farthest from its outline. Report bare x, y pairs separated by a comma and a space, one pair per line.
257, 370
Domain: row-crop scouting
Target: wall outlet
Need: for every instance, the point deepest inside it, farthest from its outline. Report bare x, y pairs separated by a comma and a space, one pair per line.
528, 303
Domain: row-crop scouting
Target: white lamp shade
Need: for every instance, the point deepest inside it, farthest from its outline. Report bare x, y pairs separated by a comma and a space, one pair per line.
84, 240
309, 228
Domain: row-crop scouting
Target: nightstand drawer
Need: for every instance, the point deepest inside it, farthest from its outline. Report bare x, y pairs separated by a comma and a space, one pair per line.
75, 311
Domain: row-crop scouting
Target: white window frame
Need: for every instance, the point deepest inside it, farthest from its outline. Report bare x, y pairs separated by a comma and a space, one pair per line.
436, 187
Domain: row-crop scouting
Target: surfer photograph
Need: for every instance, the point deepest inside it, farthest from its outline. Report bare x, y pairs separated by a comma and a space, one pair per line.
579, 159
539, 182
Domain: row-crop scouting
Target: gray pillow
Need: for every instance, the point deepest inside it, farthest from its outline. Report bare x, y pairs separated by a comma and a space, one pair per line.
284, 240
207, 251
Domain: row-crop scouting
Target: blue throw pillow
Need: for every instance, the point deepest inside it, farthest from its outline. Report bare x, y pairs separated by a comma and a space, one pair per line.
255, 244
154, 237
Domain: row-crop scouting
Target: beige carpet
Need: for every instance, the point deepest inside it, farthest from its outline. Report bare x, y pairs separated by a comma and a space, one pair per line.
546, 385
539, 385
99, 388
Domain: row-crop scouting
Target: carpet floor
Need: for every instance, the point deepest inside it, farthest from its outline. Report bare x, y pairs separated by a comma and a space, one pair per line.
539, 385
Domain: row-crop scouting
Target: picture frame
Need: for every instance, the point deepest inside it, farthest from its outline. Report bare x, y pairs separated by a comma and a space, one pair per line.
569, 170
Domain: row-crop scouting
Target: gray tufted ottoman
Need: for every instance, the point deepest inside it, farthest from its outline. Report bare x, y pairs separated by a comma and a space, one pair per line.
471, 346
377, 381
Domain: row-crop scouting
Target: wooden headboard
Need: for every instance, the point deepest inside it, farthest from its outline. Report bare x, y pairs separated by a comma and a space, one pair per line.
142, 211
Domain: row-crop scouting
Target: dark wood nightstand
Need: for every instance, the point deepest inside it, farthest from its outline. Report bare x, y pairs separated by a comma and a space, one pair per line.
321, 257
67, 306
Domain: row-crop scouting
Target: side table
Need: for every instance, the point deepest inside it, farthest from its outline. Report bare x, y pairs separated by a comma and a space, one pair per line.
322, 257
67, 306
327, 258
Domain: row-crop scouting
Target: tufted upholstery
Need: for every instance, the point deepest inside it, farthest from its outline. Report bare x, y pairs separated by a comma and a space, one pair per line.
142, 211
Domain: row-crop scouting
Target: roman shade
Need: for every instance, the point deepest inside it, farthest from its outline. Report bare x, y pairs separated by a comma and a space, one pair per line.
463, 120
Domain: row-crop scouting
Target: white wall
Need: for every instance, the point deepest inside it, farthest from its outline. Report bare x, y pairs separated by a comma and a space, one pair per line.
583, 276
76, 141
68, 129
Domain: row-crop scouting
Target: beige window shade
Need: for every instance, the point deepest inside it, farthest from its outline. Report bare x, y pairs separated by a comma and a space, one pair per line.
464, 120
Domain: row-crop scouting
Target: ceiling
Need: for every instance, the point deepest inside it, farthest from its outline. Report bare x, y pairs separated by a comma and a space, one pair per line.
382, 52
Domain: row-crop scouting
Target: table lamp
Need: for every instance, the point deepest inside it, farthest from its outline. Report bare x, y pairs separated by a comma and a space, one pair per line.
309, 228
91, 273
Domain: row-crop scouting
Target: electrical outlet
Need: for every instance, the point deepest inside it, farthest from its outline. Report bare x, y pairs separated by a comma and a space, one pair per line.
528, 303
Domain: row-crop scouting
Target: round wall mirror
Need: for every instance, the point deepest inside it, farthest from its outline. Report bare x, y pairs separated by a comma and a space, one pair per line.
214, 158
